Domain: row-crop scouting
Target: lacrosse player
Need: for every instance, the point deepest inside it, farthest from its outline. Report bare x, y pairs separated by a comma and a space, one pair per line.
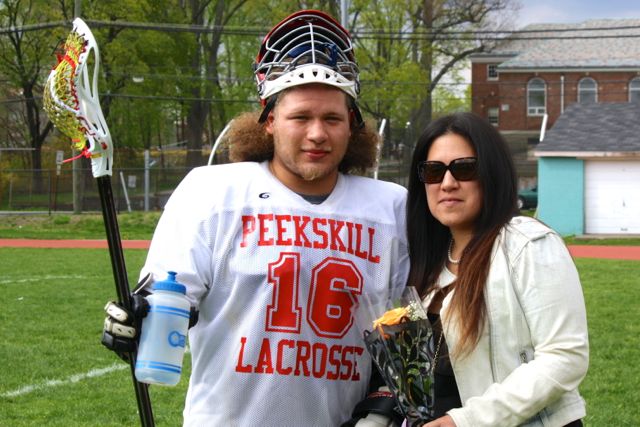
276, 248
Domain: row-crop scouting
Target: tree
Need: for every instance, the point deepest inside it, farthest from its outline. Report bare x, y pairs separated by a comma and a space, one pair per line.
440, 52
412, 45
222, 60
204, 62
25, 56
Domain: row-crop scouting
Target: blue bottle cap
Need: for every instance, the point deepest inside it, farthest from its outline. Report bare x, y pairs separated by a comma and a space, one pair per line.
170, 284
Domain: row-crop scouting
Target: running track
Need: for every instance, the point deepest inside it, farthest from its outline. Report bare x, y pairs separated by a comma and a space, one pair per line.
577, 251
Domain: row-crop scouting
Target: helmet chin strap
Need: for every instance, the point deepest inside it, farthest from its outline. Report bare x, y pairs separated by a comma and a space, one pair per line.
357, 115
268, 106
355, 111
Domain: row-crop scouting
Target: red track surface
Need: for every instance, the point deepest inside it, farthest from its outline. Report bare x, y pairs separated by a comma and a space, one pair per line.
577, 251
83, 244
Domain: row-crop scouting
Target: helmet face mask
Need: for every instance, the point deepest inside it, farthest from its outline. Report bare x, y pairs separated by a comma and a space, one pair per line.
306, 47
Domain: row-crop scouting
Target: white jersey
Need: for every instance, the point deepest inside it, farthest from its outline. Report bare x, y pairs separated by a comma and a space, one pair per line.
275, 278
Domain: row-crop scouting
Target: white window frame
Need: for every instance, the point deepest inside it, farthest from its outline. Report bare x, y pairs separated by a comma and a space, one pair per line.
492, 72
494, 118
634, 90
591, 90
536, 110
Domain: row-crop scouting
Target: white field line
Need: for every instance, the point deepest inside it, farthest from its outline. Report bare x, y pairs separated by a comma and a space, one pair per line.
70, 380
40, 279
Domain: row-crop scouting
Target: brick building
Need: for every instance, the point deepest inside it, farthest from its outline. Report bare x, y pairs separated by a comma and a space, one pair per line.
534, 75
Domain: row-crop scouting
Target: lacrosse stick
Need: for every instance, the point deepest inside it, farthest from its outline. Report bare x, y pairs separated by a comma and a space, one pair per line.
71, 101
379, 147
218, 141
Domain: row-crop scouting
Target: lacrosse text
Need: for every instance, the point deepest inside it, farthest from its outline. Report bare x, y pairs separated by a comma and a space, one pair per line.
301, 358
309, 232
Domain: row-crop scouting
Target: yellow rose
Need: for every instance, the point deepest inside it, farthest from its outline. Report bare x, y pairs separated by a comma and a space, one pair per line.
391, 317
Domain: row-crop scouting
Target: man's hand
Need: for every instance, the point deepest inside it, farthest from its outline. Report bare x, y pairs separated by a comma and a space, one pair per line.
121, 331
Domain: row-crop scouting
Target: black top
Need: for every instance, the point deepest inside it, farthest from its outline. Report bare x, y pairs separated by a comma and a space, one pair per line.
446, 395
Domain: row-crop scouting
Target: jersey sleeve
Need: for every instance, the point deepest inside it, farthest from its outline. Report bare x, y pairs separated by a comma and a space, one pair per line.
180, 241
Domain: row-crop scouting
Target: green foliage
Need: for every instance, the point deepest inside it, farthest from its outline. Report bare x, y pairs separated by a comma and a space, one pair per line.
393, 81
157, 85
446, 101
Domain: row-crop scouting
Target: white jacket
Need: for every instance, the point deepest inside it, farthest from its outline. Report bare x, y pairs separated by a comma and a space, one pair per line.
533, 351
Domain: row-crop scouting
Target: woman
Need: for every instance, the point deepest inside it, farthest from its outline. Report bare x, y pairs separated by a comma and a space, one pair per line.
510, 323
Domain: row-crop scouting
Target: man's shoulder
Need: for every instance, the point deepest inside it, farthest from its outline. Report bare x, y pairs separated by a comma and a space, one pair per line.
237, 168
363, 183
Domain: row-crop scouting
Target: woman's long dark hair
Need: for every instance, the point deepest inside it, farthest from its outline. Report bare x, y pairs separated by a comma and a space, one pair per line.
429, 239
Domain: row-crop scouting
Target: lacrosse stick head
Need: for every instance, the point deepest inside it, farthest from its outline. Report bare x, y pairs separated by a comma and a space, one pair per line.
71, 99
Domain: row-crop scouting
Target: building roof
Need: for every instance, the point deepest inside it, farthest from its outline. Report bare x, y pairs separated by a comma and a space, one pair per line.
592, 44
596, 129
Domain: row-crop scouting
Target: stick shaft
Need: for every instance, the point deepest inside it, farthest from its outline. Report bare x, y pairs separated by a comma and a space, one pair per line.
122, 287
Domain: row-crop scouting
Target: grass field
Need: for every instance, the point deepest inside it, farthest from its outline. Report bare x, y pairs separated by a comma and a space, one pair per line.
55, 372
134, 225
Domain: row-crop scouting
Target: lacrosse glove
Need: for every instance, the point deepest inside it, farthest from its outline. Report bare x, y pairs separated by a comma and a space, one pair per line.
121, 331
378, 409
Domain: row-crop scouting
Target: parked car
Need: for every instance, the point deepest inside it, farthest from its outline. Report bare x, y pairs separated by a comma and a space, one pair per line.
528, 198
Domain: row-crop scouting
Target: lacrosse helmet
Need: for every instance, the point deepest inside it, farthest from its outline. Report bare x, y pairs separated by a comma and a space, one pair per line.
308, 46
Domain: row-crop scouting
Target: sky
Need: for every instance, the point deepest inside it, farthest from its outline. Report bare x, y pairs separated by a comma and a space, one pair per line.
572, 11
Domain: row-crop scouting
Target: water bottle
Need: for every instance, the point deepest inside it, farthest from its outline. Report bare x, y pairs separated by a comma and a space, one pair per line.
164, 334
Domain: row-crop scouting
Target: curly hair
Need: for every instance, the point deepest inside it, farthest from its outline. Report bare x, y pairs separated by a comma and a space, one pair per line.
248, 141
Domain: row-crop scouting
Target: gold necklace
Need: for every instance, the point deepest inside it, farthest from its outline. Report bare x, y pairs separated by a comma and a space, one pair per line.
435, 355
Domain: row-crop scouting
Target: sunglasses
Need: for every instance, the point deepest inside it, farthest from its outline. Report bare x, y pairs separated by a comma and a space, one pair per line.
463, 169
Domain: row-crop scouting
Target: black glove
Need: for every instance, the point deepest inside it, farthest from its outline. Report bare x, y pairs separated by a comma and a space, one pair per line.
378, 402
121, 332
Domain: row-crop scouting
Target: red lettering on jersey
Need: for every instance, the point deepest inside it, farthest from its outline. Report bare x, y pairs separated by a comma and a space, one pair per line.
334, 286
356, 373
374, 259
350, 226
336, 241
248, 227
284, 312
334, 361
302, 358
319, 361
359, 253
239, 366
346, 363
323, 243
286, 230
299, 223
281, 230
279, 368
263, 229
264, 365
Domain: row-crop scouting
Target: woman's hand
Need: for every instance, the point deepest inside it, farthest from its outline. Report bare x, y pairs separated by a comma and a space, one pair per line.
445, 421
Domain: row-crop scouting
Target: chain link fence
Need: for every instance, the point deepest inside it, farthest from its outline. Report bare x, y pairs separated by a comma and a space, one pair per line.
50, 190
134, 189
